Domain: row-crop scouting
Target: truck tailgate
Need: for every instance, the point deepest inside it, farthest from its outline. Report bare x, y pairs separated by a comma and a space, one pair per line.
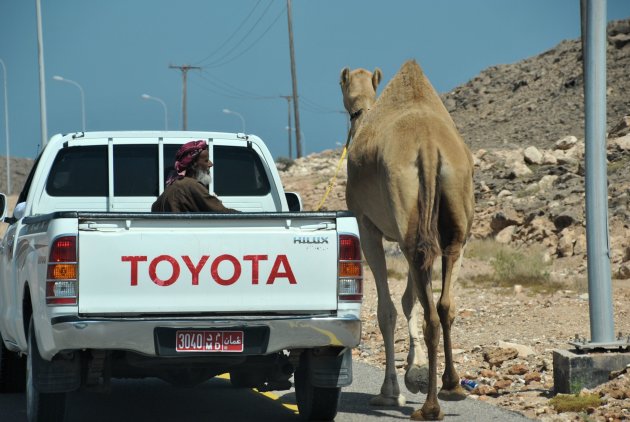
159, 266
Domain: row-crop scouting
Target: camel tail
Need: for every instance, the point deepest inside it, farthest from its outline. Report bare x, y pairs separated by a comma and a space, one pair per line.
428, 236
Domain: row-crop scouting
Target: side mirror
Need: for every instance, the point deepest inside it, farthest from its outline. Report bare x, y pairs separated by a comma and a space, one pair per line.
294, 201
3, 205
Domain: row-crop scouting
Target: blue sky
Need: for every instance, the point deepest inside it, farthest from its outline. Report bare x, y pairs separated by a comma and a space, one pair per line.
118, 50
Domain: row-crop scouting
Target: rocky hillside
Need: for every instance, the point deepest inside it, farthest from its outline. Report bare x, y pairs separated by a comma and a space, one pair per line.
541, 99
20, 168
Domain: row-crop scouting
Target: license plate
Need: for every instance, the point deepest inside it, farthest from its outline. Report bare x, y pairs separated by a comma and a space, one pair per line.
209, 341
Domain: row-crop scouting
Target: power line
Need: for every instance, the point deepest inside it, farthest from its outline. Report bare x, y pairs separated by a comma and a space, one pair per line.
229, 90
218, 64
315, 107
231, 36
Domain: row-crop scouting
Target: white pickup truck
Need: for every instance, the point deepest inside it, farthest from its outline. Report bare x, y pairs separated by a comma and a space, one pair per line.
93, 286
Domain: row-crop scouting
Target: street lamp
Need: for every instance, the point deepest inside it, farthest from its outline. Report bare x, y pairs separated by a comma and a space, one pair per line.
59, 78
159, 100
226, 111
6, 125
302, 136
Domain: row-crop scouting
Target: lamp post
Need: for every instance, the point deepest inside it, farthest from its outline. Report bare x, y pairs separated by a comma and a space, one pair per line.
226, 111
159, 100
301, 136
59, 78
6, 125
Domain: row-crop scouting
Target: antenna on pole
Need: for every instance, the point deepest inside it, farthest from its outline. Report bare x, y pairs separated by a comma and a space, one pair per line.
184, 69
289, 98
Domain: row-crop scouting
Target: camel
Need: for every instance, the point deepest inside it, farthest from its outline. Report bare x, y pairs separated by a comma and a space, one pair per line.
410, 180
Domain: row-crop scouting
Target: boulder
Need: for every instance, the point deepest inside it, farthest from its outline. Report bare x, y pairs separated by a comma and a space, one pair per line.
619, 40
547, 181
621, 129
523, 351
549, 158
518, 369
505, 235
566, 143
566, 240
532, 377
519, 169
565, 217
504, 218
532, 155
495, 356
621, 144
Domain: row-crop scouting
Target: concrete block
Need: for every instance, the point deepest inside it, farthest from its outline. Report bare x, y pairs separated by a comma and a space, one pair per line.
573, 370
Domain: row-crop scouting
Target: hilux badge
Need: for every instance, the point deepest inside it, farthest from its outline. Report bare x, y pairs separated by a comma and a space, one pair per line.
310, 240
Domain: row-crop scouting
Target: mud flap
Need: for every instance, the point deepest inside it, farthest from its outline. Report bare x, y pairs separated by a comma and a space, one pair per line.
61, 375
331, 368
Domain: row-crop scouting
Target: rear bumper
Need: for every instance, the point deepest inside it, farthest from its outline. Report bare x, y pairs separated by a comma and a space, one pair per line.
138, 334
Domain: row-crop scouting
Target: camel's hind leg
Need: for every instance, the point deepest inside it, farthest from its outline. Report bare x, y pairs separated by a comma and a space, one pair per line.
372, 245
451, 263
417, 374
431, 408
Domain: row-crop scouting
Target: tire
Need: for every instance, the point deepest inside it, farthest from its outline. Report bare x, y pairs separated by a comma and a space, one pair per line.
40, 407
314, 403
12, 371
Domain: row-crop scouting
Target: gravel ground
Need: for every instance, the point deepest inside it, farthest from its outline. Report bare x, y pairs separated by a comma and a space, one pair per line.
487, 316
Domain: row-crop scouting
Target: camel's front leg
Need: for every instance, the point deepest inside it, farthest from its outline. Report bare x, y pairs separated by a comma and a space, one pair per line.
372, 245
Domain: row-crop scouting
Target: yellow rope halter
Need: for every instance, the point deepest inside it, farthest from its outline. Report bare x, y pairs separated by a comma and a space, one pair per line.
331, 182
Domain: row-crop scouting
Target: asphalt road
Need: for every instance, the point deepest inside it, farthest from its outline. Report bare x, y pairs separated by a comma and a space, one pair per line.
216, 400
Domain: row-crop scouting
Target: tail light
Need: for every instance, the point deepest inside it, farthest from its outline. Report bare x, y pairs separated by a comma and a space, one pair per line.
350, 271
61, 281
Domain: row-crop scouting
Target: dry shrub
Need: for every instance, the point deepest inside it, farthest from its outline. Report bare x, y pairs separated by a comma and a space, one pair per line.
574, 402
525, 266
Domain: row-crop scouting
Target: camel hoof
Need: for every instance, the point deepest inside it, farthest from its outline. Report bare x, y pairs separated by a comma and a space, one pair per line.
455, 394
419, 415
383, 401
417, 379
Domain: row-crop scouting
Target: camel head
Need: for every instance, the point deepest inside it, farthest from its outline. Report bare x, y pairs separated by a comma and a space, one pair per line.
359, 89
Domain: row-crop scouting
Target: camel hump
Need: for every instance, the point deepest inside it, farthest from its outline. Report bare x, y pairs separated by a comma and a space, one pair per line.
410, 87
411, 66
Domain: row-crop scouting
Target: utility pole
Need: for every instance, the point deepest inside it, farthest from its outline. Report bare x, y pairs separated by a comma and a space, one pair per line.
184, 69
298, 132
42, 83
289, 98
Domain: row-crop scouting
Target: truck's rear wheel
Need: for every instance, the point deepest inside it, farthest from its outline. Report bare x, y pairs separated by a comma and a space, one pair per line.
40, 407
12, 371
314, 403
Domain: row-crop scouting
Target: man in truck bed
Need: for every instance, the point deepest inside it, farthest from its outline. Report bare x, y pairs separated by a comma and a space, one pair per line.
187, 188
